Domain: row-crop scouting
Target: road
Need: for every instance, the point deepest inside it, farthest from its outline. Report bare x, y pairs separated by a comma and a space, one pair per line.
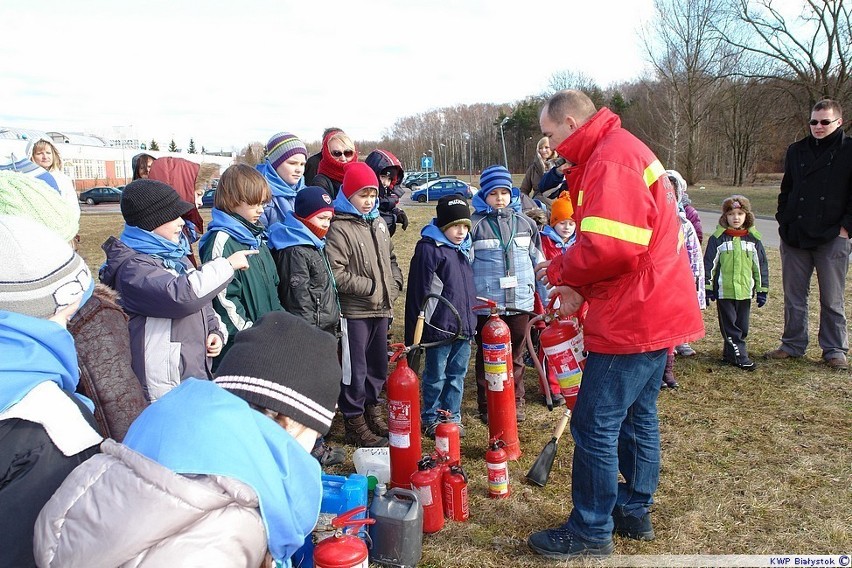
768, 227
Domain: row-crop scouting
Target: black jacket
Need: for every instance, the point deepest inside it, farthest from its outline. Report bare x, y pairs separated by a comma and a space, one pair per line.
816, 191
307, 287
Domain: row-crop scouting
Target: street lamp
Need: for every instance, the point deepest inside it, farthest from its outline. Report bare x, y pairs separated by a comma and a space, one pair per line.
444, 154
503, 139
123, 142
469, 158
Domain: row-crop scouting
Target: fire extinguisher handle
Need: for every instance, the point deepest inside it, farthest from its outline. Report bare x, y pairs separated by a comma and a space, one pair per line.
345, 519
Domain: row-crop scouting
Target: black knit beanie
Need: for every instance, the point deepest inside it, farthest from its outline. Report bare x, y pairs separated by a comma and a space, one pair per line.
287, 365
451, 210
147, 204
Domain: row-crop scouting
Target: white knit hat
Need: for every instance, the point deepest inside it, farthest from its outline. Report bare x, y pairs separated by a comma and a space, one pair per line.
39, 272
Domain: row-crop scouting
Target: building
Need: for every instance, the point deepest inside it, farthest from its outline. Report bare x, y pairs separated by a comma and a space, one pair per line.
91, 160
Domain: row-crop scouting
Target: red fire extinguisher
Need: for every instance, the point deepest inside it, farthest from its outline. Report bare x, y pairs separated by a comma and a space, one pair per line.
448, 437
454, 484
403, 390
343, 550
500, 391
427, 482
562, 343
497, 462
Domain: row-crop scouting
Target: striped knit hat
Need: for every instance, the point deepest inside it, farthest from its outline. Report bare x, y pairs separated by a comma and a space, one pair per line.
30, 168
25, 196
493, 177
283, 145
39, 272
284, 364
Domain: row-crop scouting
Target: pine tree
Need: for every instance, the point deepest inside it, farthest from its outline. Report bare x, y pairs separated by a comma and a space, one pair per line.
172, 146
191, 149
154, 146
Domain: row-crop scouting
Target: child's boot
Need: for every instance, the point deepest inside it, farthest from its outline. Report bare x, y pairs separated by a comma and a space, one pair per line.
359, 434
376, 421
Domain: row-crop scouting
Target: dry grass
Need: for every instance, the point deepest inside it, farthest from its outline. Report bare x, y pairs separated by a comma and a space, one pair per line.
753, 463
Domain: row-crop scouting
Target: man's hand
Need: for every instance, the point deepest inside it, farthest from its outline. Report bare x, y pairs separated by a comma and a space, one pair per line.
541, 273
569, 300
214, 345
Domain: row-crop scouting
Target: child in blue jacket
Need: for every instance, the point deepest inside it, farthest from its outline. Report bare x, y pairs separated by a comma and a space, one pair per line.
442, 264
506, 246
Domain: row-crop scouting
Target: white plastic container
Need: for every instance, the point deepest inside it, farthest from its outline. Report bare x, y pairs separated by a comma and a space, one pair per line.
373, 462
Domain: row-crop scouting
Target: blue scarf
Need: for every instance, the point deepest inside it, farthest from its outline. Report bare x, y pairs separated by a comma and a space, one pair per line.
146, 242
480, 206
292, 232
34, 351
436, 234
283, 193
343, 205
551, 233
199, 428
241, 230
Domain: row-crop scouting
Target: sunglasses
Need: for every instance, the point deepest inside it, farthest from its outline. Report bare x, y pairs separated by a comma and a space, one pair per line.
824, 121
347, 153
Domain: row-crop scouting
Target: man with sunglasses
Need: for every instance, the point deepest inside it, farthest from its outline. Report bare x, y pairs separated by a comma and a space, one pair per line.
814, 221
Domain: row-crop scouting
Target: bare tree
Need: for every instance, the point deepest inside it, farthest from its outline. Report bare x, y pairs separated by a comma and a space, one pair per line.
811, 53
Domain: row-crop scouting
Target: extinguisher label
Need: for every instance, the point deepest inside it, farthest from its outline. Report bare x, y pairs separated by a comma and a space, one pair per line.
498, 478
562, 358
494, 361
399, 423
442, 443
425, 494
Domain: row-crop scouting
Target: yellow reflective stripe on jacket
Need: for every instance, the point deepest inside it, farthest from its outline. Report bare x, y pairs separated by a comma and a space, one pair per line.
616, 230
579, 198
653, 172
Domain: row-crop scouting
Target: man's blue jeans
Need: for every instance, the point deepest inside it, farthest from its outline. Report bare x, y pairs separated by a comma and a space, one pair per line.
443, 380
615, 429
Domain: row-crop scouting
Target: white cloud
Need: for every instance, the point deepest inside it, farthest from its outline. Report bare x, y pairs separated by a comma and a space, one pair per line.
226, 73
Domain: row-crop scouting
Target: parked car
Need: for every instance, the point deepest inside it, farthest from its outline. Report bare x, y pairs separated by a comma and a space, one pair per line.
416, 178
208, 197
101, 195
438, 188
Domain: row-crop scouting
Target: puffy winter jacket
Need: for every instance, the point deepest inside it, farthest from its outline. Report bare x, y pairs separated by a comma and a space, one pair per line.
735, 267
626, 259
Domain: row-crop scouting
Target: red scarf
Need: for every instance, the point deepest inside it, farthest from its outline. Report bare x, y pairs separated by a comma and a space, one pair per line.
317, 231
330, 167
736, 232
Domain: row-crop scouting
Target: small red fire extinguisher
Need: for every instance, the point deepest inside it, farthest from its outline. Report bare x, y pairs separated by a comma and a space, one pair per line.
497, 463
562, 343
448, 437
500, 379
403, 390
455, 494
343, 550
427, 482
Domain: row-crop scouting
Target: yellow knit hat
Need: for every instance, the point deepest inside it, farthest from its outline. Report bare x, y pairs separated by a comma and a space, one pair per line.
561, 209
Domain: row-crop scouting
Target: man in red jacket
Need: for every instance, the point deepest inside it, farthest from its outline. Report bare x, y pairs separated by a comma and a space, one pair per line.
630, 264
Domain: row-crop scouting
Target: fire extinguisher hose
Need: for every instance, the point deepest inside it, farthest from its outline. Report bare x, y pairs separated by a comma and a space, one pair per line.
417, 348
542, 375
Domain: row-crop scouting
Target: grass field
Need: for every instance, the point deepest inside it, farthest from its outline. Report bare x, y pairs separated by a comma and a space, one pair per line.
753, 463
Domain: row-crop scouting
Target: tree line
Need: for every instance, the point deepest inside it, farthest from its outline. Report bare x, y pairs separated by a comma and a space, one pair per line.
730, 87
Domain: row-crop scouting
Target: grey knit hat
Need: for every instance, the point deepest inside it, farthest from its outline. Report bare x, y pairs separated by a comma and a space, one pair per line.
283, 145
147, 204
39, 272
287, 365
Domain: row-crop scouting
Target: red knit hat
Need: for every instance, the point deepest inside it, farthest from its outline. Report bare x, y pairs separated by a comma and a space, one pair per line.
357, 176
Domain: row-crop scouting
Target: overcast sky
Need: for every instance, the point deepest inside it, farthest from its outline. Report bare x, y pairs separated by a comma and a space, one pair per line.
228, 72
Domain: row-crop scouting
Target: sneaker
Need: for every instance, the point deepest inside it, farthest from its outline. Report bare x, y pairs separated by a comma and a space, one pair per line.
746, 364
328, 455
670, 384
558, 399
429, 431
684, 350
838, 363
778, 354
562, 544
483, 416
629, 526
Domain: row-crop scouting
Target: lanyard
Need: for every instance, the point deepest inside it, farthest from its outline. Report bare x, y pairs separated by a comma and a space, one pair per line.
505, 245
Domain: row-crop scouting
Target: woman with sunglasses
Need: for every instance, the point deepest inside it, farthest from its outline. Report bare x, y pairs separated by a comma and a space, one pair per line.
337, 150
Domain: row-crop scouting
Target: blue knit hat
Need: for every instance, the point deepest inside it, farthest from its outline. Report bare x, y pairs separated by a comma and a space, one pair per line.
310, 201
283, 145
493, 177
28, 167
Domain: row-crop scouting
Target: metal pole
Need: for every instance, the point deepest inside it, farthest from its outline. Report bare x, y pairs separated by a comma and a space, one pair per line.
503, 139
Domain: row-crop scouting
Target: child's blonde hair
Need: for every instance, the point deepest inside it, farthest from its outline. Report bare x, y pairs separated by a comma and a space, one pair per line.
737, 202
544, 140
241, 183
40, 145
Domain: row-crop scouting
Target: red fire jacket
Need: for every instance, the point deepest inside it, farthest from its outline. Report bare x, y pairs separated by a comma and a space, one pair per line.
629, 261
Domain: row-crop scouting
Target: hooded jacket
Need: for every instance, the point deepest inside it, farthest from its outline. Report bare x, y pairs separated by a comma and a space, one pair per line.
380, 160
816, 191
444, 268
360, 252
735, 267
306, 287
626, 260
171, 315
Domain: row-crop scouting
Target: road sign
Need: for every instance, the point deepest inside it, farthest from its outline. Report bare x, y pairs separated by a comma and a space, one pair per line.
426, 163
